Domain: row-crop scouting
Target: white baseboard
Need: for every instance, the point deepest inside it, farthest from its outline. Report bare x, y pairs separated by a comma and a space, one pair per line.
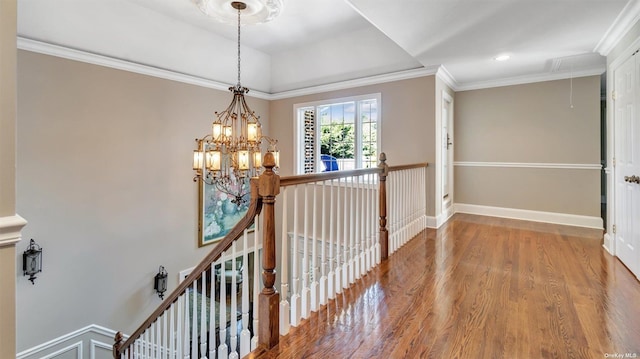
608, 244
96, 337
432, 222
527, 215
445, 215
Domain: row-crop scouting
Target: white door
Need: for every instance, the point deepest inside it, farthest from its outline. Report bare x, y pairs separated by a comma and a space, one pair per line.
627, 163
447, 153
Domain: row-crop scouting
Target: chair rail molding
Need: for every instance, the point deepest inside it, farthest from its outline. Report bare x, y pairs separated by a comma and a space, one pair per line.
566, 166
91, 337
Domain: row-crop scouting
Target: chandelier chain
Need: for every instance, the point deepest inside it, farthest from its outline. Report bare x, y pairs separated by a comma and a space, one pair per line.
238, 47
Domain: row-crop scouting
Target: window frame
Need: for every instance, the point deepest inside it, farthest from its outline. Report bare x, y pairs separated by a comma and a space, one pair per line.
298, 134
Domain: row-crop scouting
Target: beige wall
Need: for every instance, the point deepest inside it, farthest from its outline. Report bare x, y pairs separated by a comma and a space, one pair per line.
407, 129
104, 177
530, 123
8, 264
8, 50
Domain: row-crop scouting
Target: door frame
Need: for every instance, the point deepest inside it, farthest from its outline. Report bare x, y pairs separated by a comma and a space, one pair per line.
609, 236
443, 214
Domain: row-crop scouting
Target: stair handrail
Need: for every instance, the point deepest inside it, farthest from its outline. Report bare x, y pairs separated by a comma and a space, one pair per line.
255, 207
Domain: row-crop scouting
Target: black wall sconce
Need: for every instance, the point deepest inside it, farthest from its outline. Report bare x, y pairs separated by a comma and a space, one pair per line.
160, 282
32, 261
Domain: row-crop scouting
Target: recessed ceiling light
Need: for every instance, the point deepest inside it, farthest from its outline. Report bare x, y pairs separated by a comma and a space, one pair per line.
502, 58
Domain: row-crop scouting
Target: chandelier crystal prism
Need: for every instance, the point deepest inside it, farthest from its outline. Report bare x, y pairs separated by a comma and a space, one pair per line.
231, 154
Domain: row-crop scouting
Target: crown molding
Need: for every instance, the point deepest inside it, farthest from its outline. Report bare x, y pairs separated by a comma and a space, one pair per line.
364, 81
437, 70
444, 75
101, 60
628, 17
520, 80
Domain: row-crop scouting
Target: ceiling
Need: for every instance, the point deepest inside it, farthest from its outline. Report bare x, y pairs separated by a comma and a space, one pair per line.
319, 42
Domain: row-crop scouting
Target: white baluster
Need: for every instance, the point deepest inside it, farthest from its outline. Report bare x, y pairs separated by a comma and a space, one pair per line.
151, 341
284, 278
256, 280
223, 350
376, 228
158, 344
345, 238
179, 329
203, 316
165, 333
295, 294
245, 335
357, 230
339, 224
314, 252
323, 243
194, 320
305, 293
234, 304
171, 334
347, 275
212, 312
186, 331
407, 214
370, 219
362, 193
331, 276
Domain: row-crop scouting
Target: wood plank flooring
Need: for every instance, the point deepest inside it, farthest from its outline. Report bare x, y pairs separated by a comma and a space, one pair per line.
481, 287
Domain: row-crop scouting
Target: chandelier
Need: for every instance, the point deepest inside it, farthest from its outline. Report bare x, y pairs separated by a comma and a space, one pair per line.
231, 154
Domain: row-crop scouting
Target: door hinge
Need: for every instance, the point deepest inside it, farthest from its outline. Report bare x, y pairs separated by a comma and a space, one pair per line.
614, 229
613, 95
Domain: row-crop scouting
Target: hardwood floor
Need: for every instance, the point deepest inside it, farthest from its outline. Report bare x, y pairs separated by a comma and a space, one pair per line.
482, 287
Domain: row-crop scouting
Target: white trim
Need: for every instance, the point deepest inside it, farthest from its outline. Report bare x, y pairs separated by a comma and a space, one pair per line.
77, 346
618, 61
10, 229
445, 215
608, 240
98, 344
528, 215
365, 81
93, 328
432, 222
564, 166
521, 80
101, 60
438, 70
446, 77
629, 15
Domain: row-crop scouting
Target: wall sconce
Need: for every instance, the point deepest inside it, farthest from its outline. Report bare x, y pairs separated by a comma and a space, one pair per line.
160, 282
32, 261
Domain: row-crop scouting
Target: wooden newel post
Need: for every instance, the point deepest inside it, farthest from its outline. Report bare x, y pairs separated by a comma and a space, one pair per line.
269, 302
117, 344
384, 234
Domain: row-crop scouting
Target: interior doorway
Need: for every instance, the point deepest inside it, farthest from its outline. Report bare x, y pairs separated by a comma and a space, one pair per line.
447, 152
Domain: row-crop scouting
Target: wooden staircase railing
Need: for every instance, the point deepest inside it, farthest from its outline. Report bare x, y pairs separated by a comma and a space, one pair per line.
355, 244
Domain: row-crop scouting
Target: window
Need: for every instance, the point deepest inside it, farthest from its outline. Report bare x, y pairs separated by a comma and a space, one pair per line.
339, 134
